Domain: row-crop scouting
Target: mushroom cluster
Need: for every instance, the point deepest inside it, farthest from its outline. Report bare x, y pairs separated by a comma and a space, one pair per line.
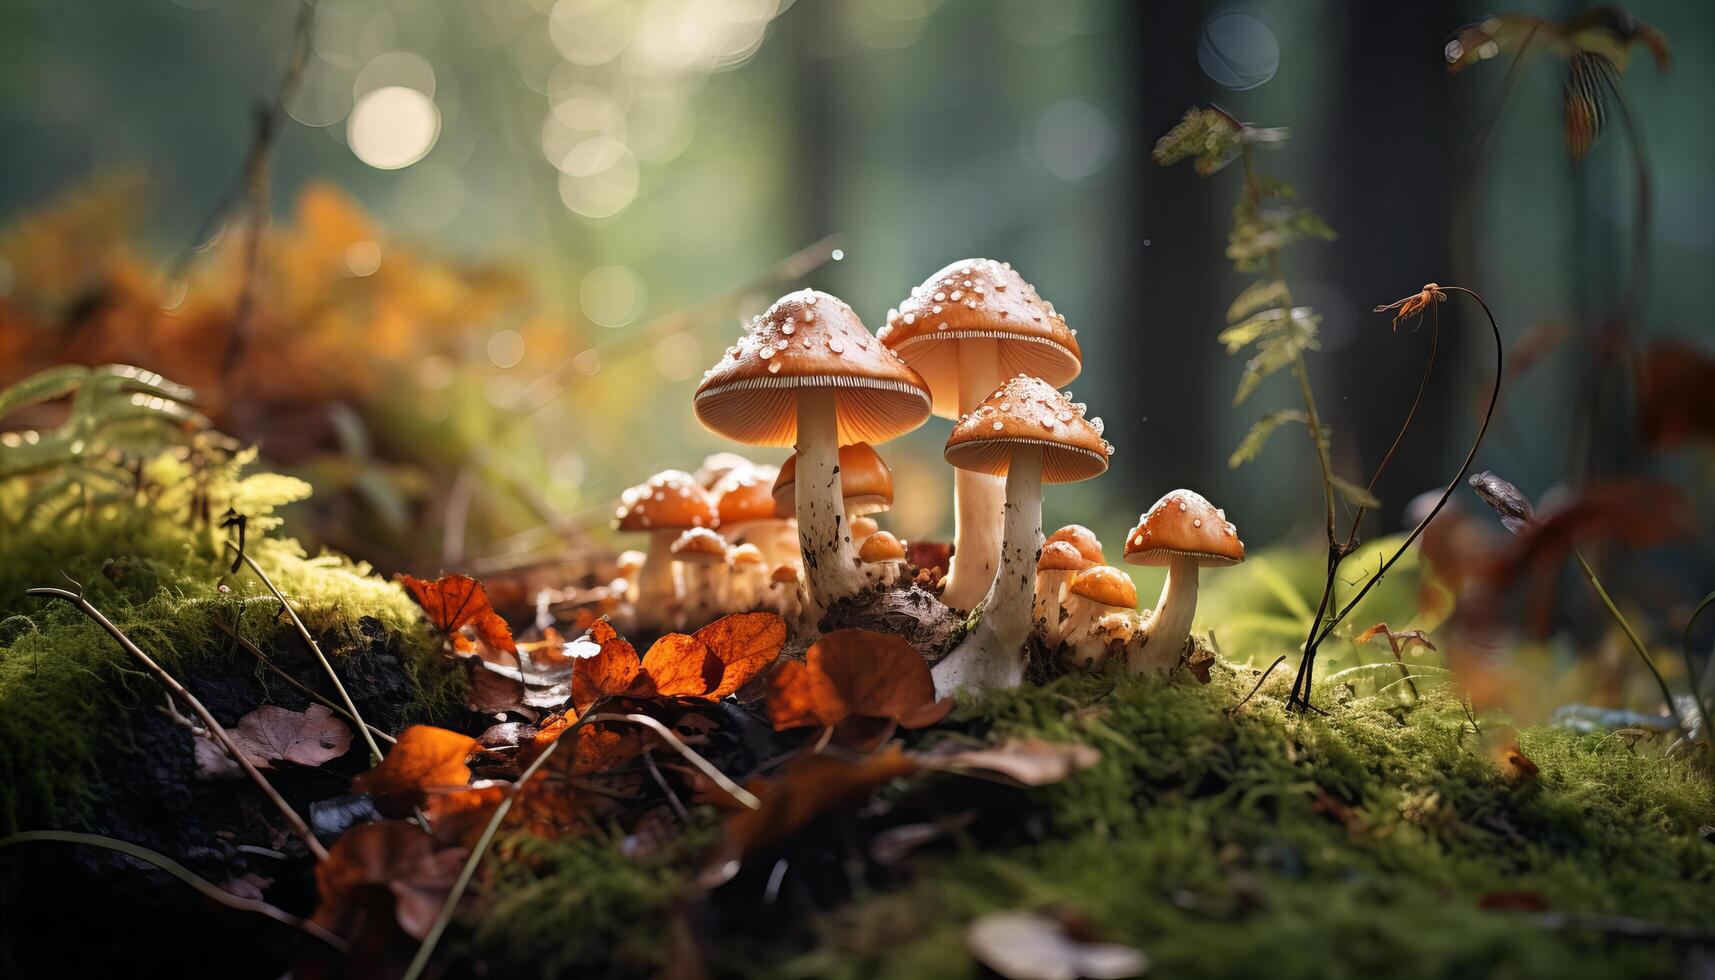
974, 343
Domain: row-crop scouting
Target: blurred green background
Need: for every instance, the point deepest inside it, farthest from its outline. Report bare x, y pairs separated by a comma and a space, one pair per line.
625, 160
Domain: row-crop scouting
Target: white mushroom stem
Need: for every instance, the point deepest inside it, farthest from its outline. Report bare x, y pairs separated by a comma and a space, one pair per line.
824, 537
704, 592
1050, 586
656, 589
993, 654
977, 497
1164, 635
1112, 633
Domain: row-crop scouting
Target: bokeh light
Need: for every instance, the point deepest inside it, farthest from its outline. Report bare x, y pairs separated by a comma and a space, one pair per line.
612, 295
1237, 51
393, 127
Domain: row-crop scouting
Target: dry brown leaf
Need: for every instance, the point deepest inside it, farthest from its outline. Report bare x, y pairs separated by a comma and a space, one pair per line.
389, 872
860, 673
678, 665
273, 734
614, 671
802, 696
746, 643
1028, 946
425, 759
1019, 761
453, 602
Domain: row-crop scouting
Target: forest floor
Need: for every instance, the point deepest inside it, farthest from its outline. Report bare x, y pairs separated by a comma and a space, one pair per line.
1385, 837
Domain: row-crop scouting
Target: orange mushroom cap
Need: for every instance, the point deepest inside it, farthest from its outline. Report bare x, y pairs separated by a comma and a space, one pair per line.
745, 554
700, 546
669, 501
980, 299
1061, 556
866, 482
1083, 539
1184, 523
745, 494
1106, 585
882, 546
1028, 411
807, 341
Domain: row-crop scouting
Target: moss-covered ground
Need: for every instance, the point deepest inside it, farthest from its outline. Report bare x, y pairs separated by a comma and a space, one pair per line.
1378, 840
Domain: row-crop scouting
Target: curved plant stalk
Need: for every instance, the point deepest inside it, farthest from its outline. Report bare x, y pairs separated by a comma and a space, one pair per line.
208, 889
178, 690
1324, 624
420, 961
1631, 637
315, 648
1691, 673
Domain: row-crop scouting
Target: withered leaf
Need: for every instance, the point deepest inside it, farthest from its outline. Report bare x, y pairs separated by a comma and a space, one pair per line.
802, 696
1674, 404
745, 643
615, 670
1028, 946
384, 872
425, 759
678, 665
1399, 640
453, 602
1019, 761
272, 734
861, 673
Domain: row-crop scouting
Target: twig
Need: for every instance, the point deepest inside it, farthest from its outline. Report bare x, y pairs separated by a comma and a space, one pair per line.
1246, 700
1632, 637
1300, 697
214, 728
666, 790
704, 766
350, 705
303, 688
209, 890
1691, 673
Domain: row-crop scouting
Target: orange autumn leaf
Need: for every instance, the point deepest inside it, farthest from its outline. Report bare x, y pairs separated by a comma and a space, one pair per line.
453, 602
425, 759
681, 666
800, 695
615, 669
855, 672
745, 643
809, 787
381, 875
459, 818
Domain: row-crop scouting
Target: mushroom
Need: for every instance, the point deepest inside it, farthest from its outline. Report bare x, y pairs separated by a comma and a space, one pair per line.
630, 564
1084, 539
670, 503
808, 373
1096, 592
967, 329
716, 466
701, 554
1054, 570
1184, 532
1031, 433
747, 578
744, 498
786, 591
883, 558
866, 486
862, 528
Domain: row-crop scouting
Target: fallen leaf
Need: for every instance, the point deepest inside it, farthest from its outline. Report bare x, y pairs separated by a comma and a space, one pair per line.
678, 665
1399, 640
1019, 761
273, 734
1199, 662
460, 817
807, 788
425, 759
614, 671
1028, 946
855, 672
746, 644
1513, 900
453, 602
384, 872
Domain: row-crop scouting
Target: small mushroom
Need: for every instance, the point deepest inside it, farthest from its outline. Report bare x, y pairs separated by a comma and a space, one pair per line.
1054, 570
786, 592
866, 487
966, 329
1031, 433
807, 372
1096, 592
670, 503
630, 564
862, 528
716, 466
883, 558
1084, 539
747, 578
1184, 532
744, 497
701, 554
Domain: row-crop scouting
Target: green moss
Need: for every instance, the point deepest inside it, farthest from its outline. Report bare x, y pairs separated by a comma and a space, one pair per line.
1357, 844
67, 690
